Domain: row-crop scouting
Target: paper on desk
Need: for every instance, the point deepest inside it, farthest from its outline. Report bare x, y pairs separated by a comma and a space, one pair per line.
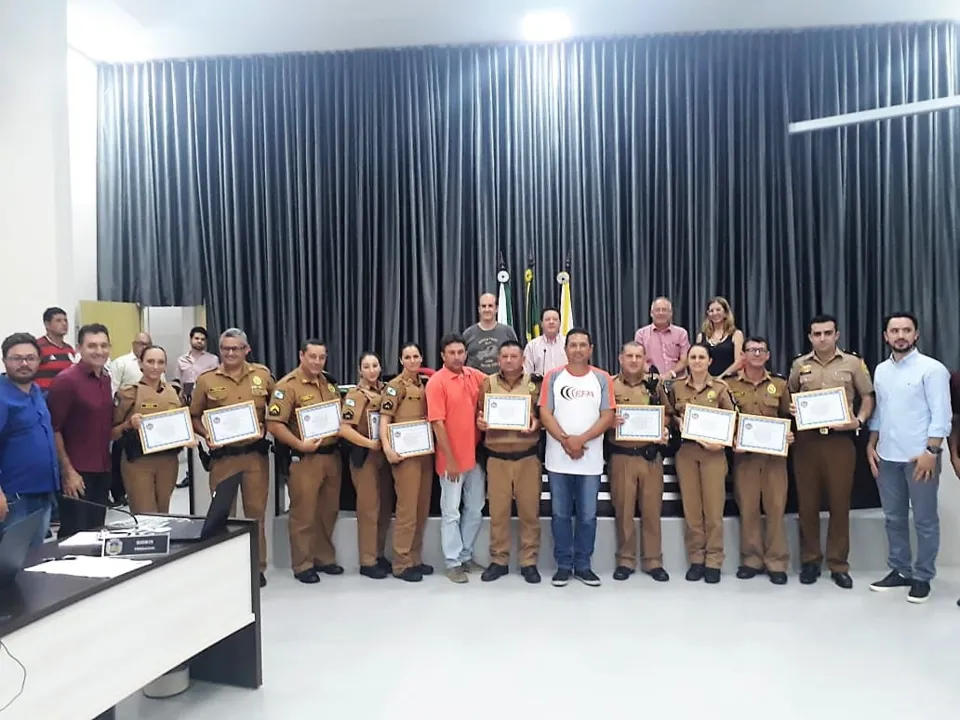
91, 567
83, 539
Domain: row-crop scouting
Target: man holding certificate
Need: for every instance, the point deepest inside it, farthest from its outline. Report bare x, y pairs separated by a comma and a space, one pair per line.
508, 400
760, 463
228, 408
304, 415
826, 455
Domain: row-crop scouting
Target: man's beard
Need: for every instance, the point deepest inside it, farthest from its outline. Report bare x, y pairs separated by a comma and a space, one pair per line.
902, 351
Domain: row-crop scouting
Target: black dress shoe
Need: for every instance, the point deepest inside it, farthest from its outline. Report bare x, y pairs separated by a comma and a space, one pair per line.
263, 580
375, 572
494, 572
385, 564
842, 580
696, 572
658, 574
745, 572
622, 572
331, 569
425, 569
778, 578
809, 573
711, 575
530, 574
411, 574
308, 576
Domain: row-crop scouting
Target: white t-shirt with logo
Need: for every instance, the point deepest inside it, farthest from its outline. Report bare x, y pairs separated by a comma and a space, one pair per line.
576, 402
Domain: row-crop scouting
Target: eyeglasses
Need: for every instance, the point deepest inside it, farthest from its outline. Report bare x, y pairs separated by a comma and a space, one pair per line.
227, 350
21, 359
756, 351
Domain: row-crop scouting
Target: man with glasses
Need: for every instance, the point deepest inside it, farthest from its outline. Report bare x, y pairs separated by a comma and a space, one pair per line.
760, 479
234, 382
29, 471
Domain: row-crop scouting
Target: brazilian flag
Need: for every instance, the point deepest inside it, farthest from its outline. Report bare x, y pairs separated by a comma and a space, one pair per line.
531, 304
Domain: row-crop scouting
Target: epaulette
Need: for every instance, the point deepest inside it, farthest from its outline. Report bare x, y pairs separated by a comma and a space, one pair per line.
797, 357
851, 352
734, 374
330, 378
778, 375
389, 378
207, 372
261, 366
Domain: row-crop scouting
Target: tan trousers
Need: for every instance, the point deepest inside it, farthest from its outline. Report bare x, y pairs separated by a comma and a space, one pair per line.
149, 482
413, 483
254, 489
824, 465
701, 475
508, 480
314, 506
632, 479
374, 486
761, 480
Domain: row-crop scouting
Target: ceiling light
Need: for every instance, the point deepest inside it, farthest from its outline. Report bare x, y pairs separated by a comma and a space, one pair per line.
546, 26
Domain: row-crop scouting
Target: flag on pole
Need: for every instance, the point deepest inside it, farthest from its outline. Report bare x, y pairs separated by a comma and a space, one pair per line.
504, 303
531, 304
566, 303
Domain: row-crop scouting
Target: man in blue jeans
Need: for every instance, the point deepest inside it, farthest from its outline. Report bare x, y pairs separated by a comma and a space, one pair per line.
576, 409
29, 470
907, 431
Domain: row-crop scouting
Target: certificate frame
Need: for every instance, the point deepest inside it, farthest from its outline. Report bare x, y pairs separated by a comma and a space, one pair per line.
688, 412
210, 419
843, 419
312, 408
426, 451
742, 422
150, 448
503, 397
658, 409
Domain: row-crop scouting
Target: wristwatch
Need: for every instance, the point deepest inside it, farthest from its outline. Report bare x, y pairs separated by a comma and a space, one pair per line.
934, 449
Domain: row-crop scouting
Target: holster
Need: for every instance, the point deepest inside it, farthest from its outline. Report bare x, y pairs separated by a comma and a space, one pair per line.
647, 452
670, 449
358, 455
130, 443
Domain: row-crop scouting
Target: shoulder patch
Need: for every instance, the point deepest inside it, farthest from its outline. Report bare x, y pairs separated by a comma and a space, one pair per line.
279, 394
348, 414
391, 390
350, 402
332, 388
387, 405
274, 410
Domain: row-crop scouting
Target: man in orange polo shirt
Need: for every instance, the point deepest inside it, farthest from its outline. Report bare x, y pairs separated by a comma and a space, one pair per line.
452, 406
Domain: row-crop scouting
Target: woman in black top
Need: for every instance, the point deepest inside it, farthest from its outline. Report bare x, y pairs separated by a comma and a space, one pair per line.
719, 331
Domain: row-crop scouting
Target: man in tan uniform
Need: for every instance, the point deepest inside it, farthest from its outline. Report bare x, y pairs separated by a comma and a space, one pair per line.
513, 469
826, 459
758, 478
237, 381
315, 471
636, 472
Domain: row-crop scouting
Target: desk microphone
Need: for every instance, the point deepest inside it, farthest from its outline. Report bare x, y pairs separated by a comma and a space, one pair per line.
112, 526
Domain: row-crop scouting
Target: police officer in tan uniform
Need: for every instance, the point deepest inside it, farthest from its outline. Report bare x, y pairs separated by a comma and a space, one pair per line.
825, 459
148, 479
234, 382
404, 399
369, 469
759, 478
513, 469
701, 467
636, 472
315, 471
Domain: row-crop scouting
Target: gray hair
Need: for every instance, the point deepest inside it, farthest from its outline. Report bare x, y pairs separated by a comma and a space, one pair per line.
234, 333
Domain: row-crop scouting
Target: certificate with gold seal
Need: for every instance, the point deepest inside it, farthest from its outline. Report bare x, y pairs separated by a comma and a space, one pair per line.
167, 430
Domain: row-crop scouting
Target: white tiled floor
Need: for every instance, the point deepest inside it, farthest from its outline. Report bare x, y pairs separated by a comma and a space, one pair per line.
355, 648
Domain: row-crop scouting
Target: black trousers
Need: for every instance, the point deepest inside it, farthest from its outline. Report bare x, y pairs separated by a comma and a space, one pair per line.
117, 490
77, 517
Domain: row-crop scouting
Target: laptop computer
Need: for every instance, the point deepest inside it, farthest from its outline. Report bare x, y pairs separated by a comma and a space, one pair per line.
15, 544
221, 505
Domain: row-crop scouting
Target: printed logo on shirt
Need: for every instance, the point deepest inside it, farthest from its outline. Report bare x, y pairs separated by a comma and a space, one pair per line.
568, 392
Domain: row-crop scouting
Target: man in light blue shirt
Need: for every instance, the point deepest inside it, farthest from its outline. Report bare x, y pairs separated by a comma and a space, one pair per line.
907, 431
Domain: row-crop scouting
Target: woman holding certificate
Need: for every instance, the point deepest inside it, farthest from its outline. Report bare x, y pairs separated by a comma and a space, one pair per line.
150, 466
703, 408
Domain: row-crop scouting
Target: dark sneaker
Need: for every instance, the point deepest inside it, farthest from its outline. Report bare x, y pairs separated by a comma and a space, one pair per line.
711, 575
695, 573
494, 572
892, 581
425, 569
561, 578
919, 592
331, 569
530, 574
587, 577
411, 574
658, 574
385, 564
375, 572
308, 576
745, 572
622, 573
842, 580
809, 573
778, 578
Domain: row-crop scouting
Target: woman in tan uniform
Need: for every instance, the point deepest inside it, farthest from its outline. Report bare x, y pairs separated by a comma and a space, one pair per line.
369, 469
404, 399
701, 467
148, 479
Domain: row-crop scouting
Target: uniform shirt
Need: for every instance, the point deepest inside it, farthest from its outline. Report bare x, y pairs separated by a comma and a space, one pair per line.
125, 370
483, 346
768, 397
404, 399
144, 400
509, 441
361, 410
630, 393
190, 367
296, 390
576, 402
81, 410
663, 348
452, 398
913, 404
677, 394
215, 389
54, 359
28, 454
540, 356
845, 370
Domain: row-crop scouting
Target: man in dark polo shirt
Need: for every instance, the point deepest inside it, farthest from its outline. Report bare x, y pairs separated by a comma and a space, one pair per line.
81, 407
56, 354
29, 472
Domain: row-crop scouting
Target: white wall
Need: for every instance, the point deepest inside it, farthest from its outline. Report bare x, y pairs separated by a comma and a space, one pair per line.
82, 115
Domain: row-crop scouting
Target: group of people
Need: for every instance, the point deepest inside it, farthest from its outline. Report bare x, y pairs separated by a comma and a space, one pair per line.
571, 432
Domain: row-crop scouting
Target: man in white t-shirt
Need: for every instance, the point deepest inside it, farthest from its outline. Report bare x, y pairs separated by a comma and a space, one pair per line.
576, 409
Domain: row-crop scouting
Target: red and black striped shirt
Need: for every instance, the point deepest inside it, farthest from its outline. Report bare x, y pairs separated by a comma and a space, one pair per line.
54, 359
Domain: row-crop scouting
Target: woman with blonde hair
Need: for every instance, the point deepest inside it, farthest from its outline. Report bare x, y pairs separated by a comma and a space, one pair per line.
719, 331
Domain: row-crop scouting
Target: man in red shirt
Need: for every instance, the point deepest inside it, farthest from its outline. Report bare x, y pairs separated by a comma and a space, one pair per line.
452, 398
56, 354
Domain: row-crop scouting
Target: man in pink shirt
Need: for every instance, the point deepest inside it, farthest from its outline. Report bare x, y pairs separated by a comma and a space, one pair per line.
666, 344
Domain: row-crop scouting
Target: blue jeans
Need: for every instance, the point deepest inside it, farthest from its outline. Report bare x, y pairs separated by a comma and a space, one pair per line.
898, 491
20, 506
459, 530
569, 493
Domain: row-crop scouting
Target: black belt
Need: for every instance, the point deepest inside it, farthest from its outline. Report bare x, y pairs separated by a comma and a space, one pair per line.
829, 431
520, 455
260, 447
324, 450
647, 452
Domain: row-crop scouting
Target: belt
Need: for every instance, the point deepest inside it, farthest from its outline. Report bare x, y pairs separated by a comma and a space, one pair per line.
519, 455
325, 450
260, 447
647, 452
830, 431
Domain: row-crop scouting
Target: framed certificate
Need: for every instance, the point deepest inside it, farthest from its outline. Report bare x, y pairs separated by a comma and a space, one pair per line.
507, 412
641, 423
166, 430
709, 424
319, 421
822, 408
232, 424
411, 439
373, 425
764, 435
